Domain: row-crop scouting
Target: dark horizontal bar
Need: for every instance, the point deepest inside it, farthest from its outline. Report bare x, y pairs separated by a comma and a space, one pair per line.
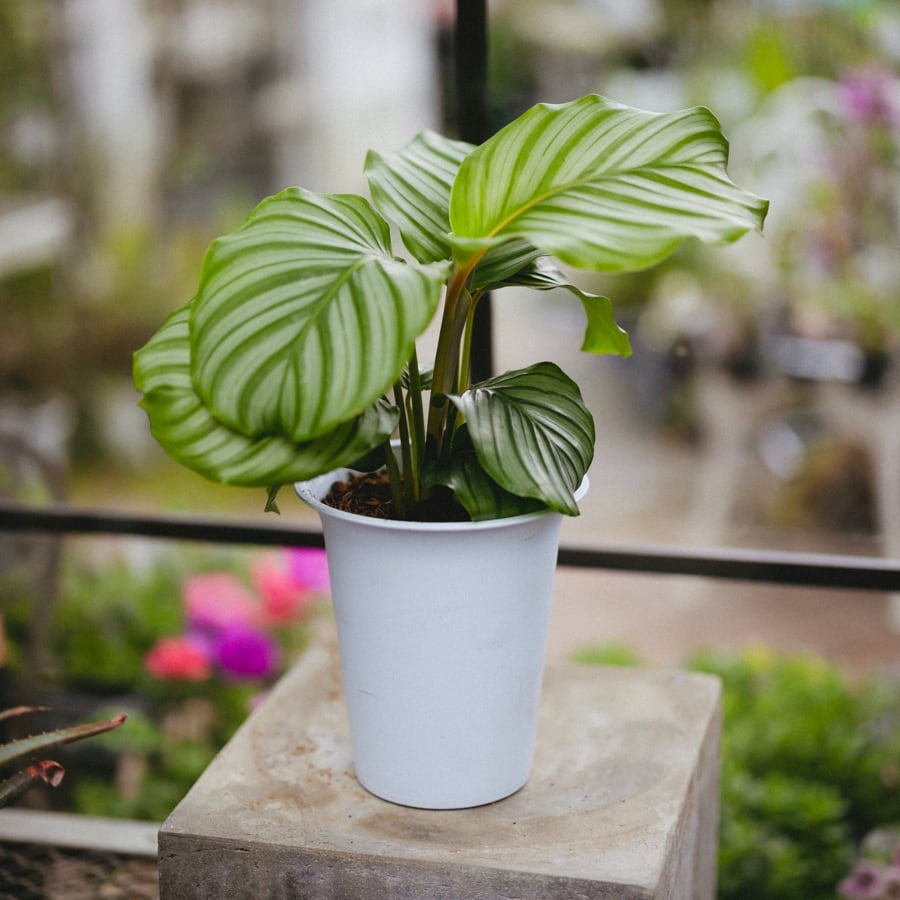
65, 520
809, 569
824, 570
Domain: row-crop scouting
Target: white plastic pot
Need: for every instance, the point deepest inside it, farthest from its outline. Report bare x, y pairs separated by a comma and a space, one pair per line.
442, 631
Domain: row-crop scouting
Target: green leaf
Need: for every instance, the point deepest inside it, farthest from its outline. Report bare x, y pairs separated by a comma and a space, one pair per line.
411, 188
602, 334
531, 432
504, 265
481, 496
601, 186
303, 318
194, 437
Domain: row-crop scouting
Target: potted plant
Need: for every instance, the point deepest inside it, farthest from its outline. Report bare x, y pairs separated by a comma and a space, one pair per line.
296, 362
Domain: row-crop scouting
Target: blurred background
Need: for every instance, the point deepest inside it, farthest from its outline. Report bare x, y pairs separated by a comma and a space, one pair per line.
760, 407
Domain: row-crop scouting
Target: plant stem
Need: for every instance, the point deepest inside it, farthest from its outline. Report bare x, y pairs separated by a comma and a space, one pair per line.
464, 378
396, 480
465, 363
457, 304
409, 482
417, 414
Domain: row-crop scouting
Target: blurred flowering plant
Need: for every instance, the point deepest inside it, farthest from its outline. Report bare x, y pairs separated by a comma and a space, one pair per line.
233, 630
185, 643
873, 880
829, 151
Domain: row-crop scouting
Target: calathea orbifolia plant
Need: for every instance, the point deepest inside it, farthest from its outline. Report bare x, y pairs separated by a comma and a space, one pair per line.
297, 355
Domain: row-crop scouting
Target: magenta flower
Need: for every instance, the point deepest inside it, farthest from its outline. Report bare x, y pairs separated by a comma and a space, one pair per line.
869, 96
246, 653
864, 882
218, 600
309, 567
180, 658
284, 599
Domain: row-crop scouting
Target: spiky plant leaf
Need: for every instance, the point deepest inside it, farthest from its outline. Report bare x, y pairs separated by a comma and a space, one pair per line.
38, 743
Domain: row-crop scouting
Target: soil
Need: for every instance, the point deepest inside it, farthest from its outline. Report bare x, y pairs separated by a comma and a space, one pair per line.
369, 494
366, 494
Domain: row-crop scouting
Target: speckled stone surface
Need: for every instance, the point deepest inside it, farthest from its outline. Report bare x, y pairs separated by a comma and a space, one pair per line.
622, 803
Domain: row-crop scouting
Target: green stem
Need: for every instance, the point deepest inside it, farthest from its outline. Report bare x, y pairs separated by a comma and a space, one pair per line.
417, 414
465, 374
396, 480
410, 475
464, 378
446, 361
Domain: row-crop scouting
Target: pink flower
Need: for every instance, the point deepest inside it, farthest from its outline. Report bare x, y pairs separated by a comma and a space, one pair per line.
864, 882
180, 658
309, 567
216, 600
870, 96
243, 653
284, 599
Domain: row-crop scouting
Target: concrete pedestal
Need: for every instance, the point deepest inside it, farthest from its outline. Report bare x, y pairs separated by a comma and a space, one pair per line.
622, 803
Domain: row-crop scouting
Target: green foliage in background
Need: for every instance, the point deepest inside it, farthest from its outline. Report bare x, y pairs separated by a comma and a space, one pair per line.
811, 765
109, 614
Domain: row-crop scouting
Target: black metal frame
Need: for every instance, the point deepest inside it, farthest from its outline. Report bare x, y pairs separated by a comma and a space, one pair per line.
809, 569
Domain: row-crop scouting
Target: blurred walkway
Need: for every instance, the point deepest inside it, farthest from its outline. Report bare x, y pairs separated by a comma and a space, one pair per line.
647, 490
667, 619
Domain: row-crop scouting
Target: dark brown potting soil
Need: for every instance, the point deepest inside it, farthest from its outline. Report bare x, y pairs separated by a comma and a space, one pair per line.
366, 494
369, 494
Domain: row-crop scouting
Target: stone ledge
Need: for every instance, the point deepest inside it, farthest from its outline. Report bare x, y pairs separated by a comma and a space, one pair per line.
622, 802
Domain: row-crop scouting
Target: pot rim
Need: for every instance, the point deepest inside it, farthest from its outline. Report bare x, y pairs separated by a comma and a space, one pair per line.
309, 491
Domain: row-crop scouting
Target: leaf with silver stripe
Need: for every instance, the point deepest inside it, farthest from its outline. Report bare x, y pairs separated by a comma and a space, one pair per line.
303, 317
601, 186
192, 435
531, 432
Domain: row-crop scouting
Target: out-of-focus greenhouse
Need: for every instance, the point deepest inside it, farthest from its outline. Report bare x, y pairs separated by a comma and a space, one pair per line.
760, 408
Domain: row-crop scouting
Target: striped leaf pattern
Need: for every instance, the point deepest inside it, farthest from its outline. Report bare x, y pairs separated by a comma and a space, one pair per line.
601, 186
532, 433
181, 422
303, 317
481, 496
411, 188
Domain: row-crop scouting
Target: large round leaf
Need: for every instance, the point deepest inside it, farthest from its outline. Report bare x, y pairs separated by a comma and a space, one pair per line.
303, 318
194, 437
601, 186
532, 433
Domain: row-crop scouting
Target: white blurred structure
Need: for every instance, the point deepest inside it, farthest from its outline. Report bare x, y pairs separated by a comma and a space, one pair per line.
360, 74
110, 69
